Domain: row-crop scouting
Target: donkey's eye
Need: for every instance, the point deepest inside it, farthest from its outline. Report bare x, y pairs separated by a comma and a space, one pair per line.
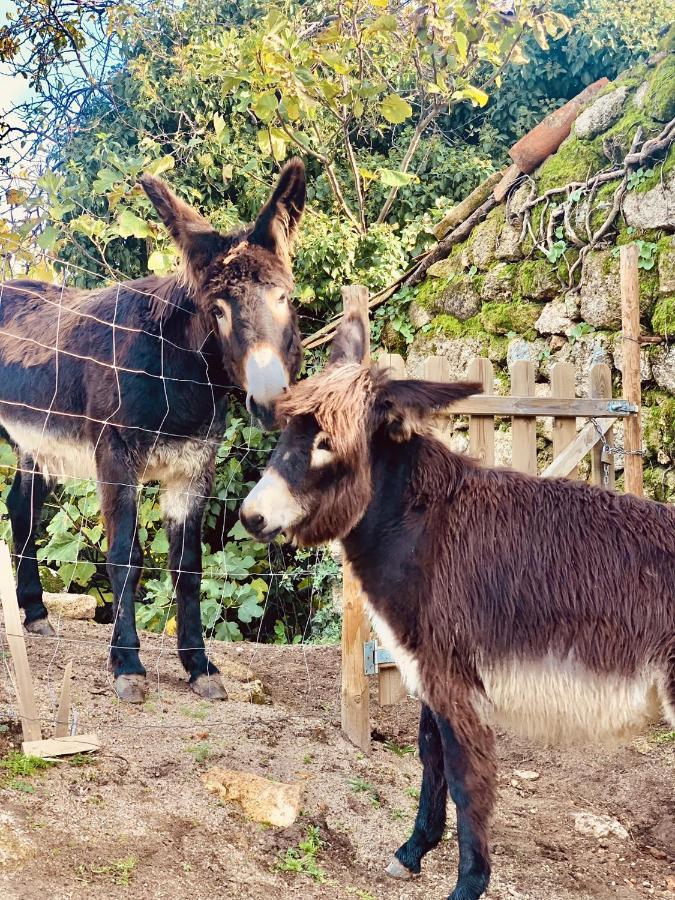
218, 312
323, 443
282, 300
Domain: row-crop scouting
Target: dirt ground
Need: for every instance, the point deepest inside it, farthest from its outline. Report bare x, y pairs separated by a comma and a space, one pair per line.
136, 821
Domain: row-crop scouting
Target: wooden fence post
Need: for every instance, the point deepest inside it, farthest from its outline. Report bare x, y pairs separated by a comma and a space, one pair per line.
602, 464
630, 320
391, 689
564, 429
523, 429
482, 428
28, 711
355, 698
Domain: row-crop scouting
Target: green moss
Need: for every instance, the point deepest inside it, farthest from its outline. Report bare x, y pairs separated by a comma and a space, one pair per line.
450, 327
500, 281
503, 318
663, 318
660, 96
659, 484
538, 279
660, 171
430, 290
573, 161
659, 423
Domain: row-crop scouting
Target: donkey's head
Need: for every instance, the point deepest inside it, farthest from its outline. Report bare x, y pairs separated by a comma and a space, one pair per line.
241, 284
318, 483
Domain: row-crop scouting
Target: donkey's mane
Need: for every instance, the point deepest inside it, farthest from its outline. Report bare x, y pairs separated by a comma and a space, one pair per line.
340, 399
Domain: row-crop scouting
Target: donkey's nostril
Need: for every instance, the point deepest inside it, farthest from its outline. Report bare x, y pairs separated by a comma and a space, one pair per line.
254, 524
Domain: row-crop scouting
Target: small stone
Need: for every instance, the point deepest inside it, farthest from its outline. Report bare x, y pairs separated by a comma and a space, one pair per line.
663, 367
601, 114
483, 243
526, 774
70, 606
554, 319
499, 283
262, 800
599, 826
652, 209
600, 291
556, 343
640, 94
419, 316
508, 244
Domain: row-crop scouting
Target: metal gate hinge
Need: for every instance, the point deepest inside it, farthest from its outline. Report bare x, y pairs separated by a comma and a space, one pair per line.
374, 657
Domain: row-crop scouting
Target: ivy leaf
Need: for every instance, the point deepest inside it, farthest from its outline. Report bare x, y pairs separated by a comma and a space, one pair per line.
161, 261
80, 572
395, 109
218, 124
106, 179
160, 542
131, 225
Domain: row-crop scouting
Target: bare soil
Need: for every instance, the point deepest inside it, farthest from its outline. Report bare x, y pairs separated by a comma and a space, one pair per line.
135, 820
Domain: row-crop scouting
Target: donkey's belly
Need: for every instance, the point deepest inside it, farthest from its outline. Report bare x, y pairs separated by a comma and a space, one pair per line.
558, 701
59, 457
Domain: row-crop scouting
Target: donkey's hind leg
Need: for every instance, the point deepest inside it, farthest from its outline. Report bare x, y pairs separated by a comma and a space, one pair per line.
430, 821
117, 490
24, 503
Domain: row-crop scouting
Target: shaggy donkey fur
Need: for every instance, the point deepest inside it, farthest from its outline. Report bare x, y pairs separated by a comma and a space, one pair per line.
547, 605
131, 384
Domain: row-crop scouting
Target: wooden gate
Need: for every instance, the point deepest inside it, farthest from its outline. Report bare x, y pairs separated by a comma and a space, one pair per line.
361, 656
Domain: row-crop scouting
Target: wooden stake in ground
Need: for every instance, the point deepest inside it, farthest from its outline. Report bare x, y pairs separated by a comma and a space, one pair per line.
63, 713
630, 318
355, 627
30, 721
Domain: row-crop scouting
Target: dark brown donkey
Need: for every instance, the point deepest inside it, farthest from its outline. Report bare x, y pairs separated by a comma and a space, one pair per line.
548, 605
130, 384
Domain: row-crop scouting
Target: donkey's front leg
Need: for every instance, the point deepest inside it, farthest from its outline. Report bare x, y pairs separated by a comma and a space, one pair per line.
124, 563
470, 772
430, 821
183, 513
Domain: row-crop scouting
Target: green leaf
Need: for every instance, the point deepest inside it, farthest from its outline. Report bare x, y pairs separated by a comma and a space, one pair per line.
106, 179
163, 164
218, 124
462, 42
80, 572
477, 96
161, 261
48, 238
131, 225
272, 143
160, 542
250, 609
265, 106
395, 109
395, 178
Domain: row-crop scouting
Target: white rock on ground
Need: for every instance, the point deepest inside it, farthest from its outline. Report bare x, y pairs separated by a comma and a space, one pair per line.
601, 115
270, 802
599, 826
70, 606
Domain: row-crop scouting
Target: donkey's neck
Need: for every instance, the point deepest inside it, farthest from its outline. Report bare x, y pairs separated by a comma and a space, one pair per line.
407, 479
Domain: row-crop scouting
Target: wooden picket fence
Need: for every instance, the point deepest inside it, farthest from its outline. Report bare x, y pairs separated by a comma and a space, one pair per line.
361, 656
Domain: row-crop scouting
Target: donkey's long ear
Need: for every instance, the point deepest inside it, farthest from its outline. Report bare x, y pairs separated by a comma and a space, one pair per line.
403, 405
349, 343
277, 223
196, 238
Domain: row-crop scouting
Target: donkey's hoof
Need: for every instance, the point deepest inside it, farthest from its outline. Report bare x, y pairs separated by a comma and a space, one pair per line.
209, 687
40, 626
130, 688
396, 869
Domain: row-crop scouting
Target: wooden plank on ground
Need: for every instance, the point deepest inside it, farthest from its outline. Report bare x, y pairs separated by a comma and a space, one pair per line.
63, 712
523, 429
573, 454
355, 698
390, 687
630, 322
579, 407
602, 463
64, 746
482, 428
564, 427
28, 711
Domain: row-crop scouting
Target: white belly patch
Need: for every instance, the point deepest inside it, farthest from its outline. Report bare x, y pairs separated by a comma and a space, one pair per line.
561, 701
405, 660
57, 457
